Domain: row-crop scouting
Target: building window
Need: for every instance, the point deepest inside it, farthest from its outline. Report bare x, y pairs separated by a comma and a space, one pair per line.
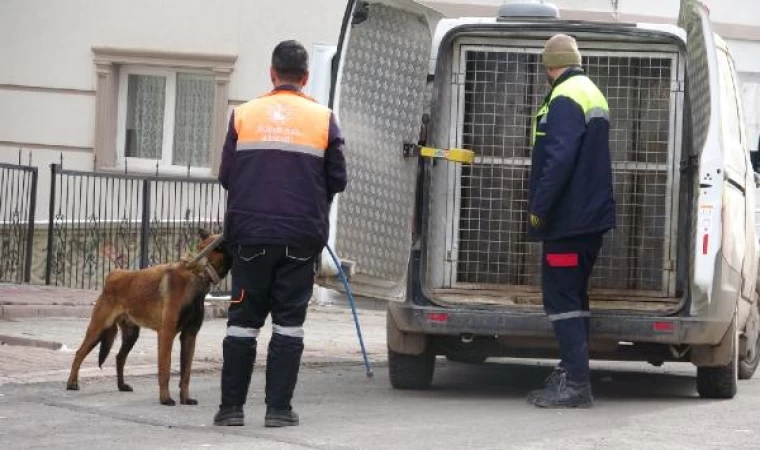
161, 111
165, 118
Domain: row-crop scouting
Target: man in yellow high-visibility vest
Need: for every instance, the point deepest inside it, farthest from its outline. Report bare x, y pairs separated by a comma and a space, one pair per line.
571, 206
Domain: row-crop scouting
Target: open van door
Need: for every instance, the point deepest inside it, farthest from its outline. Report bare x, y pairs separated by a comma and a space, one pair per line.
740, 241
739, 248
379, 96
705, 148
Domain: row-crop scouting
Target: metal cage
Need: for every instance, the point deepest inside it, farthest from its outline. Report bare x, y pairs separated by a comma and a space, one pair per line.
498, 90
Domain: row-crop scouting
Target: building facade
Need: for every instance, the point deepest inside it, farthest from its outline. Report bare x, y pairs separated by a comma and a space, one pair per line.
147, 87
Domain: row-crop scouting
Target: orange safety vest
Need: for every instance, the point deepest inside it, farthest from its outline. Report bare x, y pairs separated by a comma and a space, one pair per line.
283, 120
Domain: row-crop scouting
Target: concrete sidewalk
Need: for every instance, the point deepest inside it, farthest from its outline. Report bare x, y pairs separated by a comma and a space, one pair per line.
20, 301
41, 349
24, 301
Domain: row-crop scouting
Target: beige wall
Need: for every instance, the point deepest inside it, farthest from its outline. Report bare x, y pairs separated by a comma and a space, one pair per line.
48, 78
47, 44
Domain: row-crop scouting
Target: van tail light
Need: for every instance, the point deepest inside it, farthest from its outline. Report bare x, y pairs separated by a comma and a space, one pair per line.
438, 317
665, 327
705, 241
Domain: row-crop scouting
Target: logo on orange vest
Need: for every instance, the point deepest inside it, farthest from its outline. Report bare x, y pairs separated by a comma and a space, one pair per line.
279, 128
278, 114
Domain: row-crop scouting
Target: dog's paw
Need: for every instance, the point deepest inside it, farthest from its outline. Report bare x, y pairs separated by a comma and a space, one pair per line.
168, 402
189, 401
72, 387
125, 387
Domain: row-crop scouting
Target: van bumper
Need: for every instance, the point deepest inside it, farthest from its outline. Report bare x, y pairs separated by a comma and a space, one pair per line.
432, 320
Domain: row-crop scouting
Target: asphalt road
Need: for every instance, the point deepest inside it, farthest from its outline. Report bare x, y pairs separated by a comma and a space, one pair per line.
469, 407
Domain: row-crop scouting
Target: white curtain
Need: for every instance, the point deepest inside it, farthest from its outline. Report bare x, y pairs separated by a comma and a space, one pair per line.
145, 116
192, 120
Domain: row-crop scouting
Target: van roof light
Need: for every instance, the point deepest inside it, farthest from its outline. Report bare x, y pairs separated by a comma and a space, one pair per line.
528, 10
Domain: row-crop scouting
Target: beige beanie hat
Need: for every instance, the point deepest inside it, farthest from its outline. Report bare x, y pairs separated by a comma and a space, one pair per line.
561, 51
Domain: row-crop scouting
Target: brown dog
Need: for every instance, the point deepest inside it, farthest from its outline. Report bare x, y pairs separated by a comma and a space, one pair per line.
167, 298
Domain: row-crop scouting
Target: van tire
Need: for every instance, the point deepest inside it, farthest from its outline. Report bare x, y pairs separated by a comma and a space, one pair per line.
748, 365
720, 382
749, 360
413, 372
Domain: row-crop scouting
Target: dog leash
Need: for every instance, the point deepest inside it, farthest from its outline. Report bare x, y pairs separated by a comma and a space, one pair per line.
214, 244
350, 294
343, 279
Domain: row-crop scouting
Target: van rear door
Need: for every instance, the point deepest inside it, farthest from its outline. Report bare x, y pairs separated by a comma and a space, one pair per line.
706, 149
379, 96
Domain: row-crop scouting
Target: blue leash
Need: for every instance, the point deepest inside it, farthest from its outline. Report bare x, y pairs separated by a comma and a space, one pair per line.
351, 302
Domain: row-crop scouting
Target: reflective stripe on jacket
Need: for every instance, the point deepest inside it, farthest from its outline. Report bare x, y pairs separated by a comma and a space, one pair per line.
282, 165
571, 173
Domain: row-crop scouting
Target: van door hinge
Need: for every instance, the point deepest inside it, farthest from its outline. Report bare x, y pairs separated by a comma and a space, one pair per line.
678, 86
458, 79
361, 13
451, 255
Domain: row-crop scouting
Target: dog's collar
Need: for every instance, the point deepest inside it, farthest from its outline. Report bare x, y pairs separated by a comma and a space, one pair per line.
213, 275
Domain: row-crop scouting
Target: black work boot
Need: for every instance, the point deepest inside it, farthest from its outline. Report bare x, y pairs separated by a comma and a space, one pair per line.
280, 417
283, 363
567, 394
552, 381
239, 356
229, 416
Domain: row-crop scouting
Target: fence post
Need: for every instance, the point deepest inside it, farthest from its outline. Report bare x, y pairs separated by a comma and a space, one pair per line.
145, 224
54, 169
30, 229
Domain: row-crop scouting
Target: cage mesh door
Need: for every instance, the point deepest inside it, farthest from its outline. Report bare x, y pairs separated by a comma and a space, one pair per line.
502, 90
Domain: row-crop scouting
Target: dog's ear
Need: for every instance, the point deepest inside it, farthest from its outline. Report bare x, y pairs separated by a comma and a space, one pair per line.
203, 233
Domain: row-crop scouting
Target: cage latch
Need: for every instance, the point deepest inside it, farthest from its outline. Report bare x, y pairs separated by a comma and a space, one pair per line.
458, 155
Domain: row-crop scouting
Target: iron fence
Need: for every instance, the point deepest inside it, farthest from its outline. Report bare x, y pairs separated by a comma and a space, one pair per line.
104, 221
18, 200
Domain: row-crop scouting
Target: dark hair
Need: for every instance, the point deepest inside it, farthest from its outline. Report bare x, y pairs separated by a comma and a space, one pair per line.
290, 60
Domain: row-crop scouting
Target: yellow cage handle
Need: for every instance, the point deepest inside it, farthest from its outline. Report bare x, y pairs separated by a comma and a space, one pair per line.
457, 155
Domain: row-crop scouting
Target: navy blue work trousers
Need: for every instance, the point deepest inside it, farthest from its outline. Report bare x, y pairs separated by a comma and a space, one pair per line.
566, 269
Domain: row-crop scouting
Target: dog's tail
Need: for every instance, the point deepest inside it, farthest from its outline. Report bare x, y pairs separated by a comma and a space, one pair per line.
106, 342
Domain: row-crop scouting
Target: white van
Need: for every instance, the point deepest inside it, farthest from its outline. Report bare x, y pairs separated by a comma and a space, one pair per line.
445, 243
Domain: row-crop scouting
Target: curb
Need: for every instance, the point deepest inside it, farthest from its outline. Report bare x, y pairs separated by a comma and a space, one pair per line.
362, 303
18, 312
28, 342
215, 308
14, 312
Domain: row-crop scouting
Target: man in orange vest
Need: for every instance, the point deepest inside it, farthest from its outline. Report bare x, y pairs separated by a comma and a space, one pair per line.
282, 164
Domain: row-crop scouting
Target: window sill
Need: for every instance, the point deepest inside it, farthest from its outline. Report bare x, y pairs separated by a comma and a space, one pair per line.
163, 170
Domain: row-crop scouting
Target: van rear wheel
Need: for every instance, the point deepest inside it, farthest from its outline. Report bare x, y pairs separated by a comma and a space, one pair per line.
414, 372
749, 361
748, 364
720, 382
